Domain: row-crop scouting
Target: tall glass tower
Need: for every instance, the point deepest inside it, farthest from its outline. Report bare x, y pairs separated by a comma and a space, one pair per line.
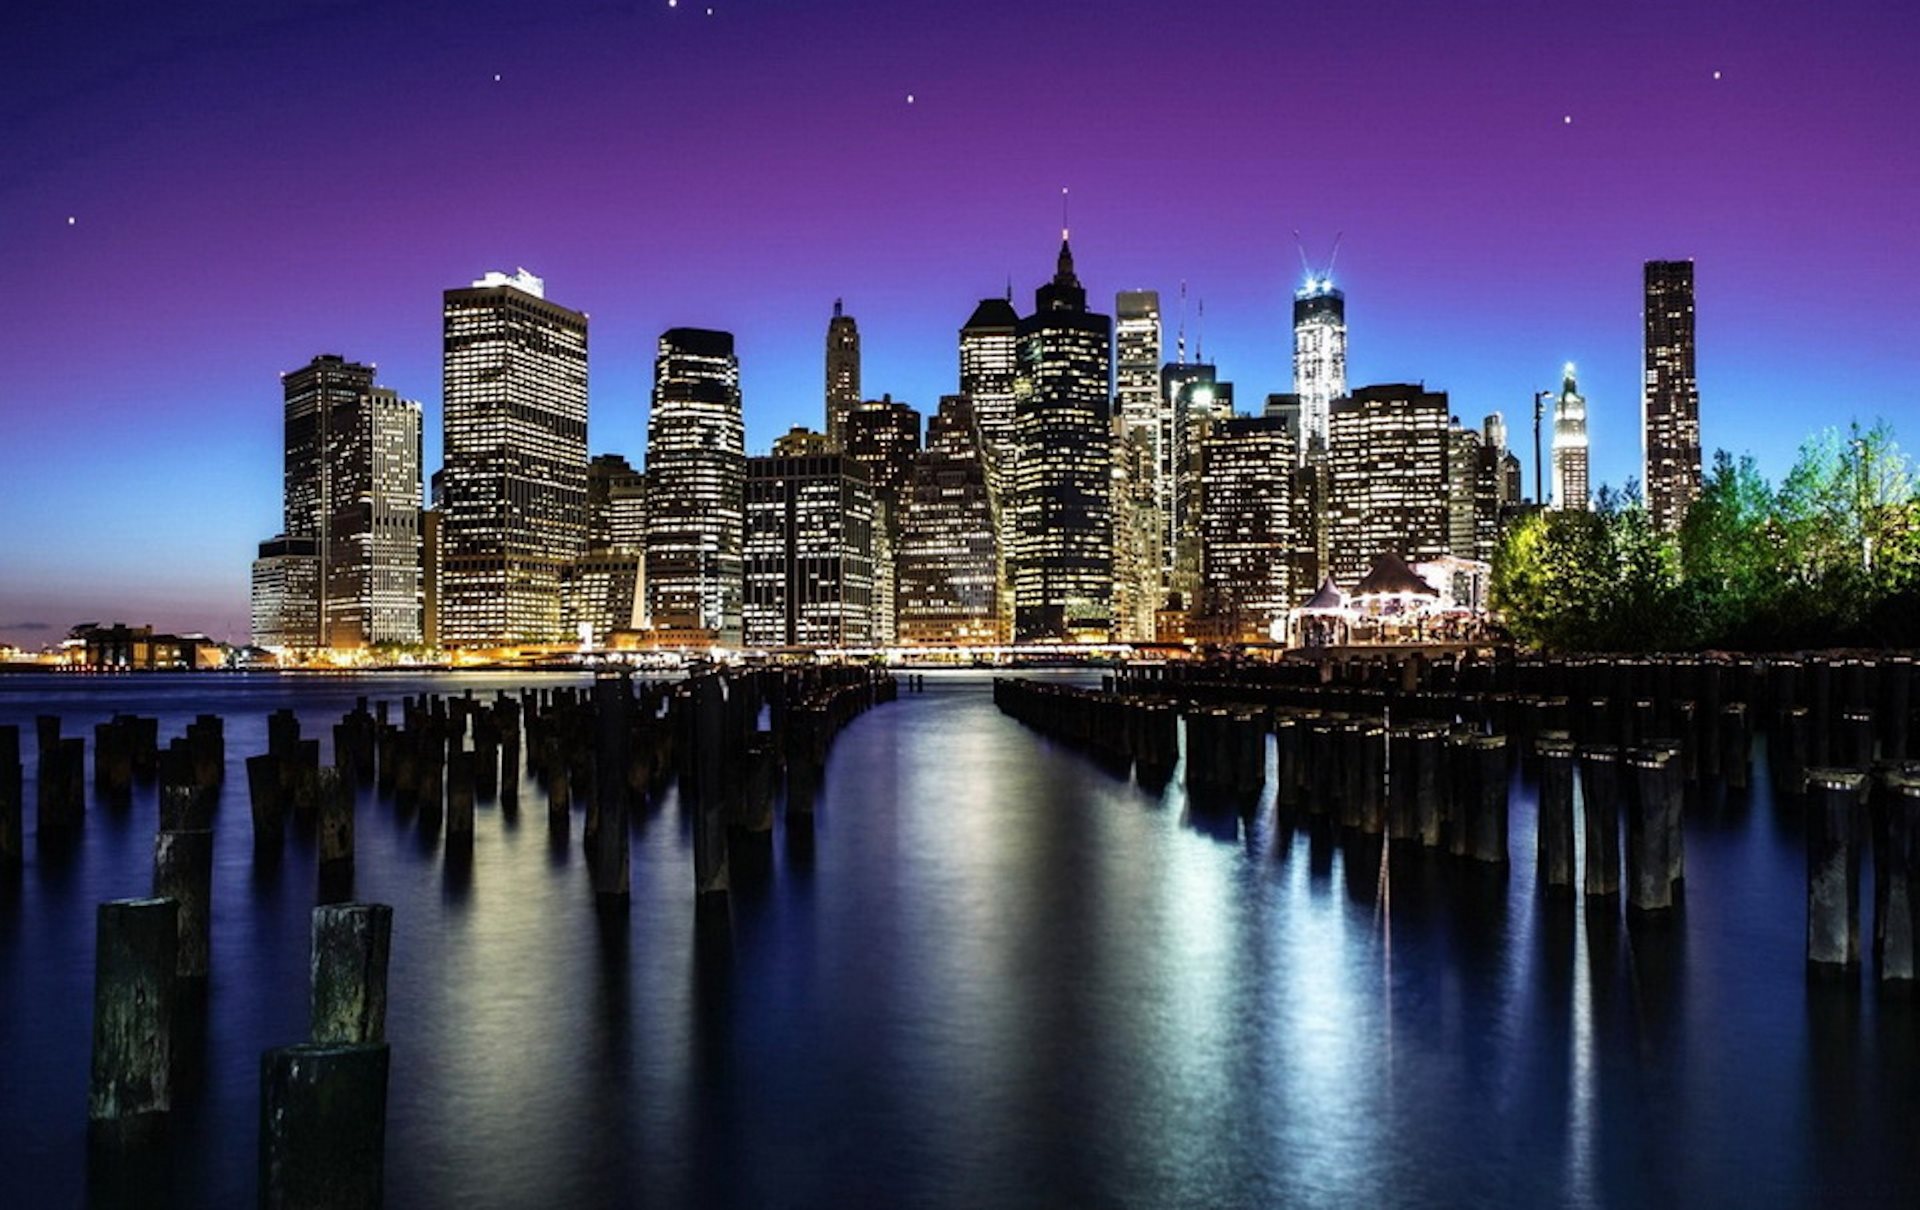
843, 372
696, 477
1570, 446
514, 381
1319, 356
1670, 400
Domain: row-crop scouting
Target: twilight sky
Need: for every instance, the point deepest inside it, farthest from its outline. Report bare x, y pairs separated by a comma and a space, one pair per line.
197, 196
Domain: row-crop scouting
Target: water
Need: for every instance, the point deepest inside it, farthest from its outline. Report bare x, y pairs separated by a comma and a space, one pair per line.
1006, 977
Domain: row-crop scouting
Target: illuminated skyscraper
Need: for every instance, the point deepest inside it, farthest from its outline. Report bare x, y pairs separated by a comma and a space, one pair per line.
949, 562
809, 534
989, 365
843, 371
605, 587
1570, 446
1388, 453
1670, 402
883, 437
1136, 378
1193, 400
514, 378
1138, 569
1319, 355
1246, 526
696, 478
286, 594
1062, 535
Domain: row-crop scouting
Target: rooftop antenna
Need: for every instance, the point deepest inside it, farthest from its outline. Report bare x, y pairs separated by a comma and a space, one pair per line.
836, 308
1181, 344
1063, 214
1009, 287
1200, 333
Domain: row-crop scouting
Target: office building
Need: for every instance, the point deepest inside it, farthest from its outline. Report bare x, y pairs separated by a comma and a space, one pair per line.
989, 366
1570, 446
514, 378
802, 442
843, 371
1138, 571
1194, 399
808, 537
1247, 526
1319, 355
1062, 530
883, 437
1136, 369
285, 603
616, 504
1670, 403
696, 479
604, 592
1387, 453
949, 562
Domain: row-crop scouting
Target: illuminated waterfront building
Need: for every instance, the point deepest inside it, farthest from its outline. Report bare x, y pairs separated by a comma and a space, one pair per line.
1319, 356
286, 594
1247, 526
1387, 454
1062, 535
1194, 399
1138, 570
1570, 446
1463, 476
809, 531
696, 476
843, 372
883, 437
1136, 369
989, 366
616, 504
604, 592
1670, 401
515, 388
949, 560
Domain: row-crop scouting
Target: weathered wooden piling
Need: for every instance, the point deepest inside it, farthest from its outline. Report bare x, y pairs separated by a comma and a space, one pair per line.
12, 845
1655, 859
347, 996
263, 793
61, 779
460, 794
1600, 793
559, 785
1554, 837
183, 872
136, 955
1896, 866
1487, 826
612, 855
1834, 835
1735, 745
1429, 770
113, 760
335, 806
323, 1126
184, 806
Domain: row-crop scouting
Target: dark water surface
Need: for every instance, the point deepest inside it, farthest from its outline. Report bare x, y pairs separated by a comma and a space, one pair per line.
1004, 977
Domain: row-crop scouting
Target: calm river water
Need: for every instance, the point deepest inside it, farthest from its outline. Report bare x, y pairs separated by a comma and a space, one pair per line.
1003, 977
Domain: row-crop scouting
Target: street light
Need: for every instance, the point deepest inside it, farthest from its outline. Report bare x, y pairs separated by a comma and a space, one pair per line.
1539, 484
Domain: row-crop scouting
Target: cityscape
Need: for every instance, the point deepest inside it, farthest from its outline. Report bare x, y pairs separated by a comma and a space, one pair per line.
719, 603
1084, 484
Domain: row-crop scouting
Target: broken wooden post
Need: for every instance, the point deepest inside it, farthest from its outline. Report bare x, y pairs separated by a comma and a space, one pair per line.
136, 955
1600, 792
323, 1125
1554, 838
1833, 871
347, 998
183, 872
335, 795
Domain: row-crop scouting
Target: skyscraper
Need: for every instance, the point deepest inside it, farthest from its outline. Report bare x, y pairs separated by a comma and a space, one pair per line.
1246, 525
883, 437
696, 473
1388, 455
843, 371
605, 586
1570, 446
286, 594
1062, 527
1138, 569
1193, 400
1670, 402
1319, 356
808, 538
949, 562
989, 366
1136, 378
352, 485
514, 379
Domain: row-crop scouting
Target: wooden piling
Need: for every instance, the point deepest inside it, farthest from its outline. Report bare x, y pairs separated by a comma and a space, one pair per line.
347, 996
1834, 835
1554, 837
136, 955
12, 846
1654, 854
323, 1126
335, 805
183, 872
1600, 793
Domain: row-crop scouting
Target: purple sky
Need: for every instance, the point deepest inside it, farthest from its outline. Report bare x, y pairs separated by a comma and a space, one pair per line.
253, 184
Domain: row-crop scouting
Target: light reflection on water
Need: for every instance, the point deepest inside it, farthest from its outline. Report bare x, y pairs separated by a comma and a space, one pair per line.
1004, 976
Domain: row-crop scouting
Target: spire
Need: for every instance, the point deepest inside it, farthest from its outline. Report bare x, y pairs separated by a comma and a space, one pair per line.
1567, 385
836, 309
1063, 270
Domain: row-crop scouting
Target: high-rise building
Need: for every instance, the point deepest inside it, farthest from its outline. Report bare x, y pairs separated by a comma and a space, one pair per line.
1136, 368
696, 478
1062, 532
1138, 571
604, 592
1246, 525
802, 442
353, 488
1194, 400
1463, 480
616, 504
809, 534
843, 371
514, 379
1570, 446
989, 366
1388, 454
286, 594
1670, 403
1319, 356
883, 437
949, 562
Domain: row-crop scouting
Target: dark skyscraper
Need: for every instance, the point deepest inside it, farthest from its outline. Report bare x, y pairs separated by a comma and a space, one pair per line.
809, 534
883, 437
843, 371
696, 475
1670, 401
949, 563
1062, 533
514, 377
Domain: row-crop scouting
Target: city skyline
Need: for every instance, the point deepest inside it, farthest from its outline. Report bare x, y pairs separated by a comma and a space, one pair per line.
195, 201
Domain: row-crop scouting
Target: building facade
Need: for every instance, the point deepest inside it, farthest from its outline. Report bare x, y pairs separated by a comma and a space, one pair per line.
1138, 567
1062, 531
1319, 356
949, 560
843, 371
989, 368
1670, 400
1247, 526
1136, 367
285, 604
696, 476
808, 541
1570, 446
514, 381
883, 437
1387, 455
1194, 401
